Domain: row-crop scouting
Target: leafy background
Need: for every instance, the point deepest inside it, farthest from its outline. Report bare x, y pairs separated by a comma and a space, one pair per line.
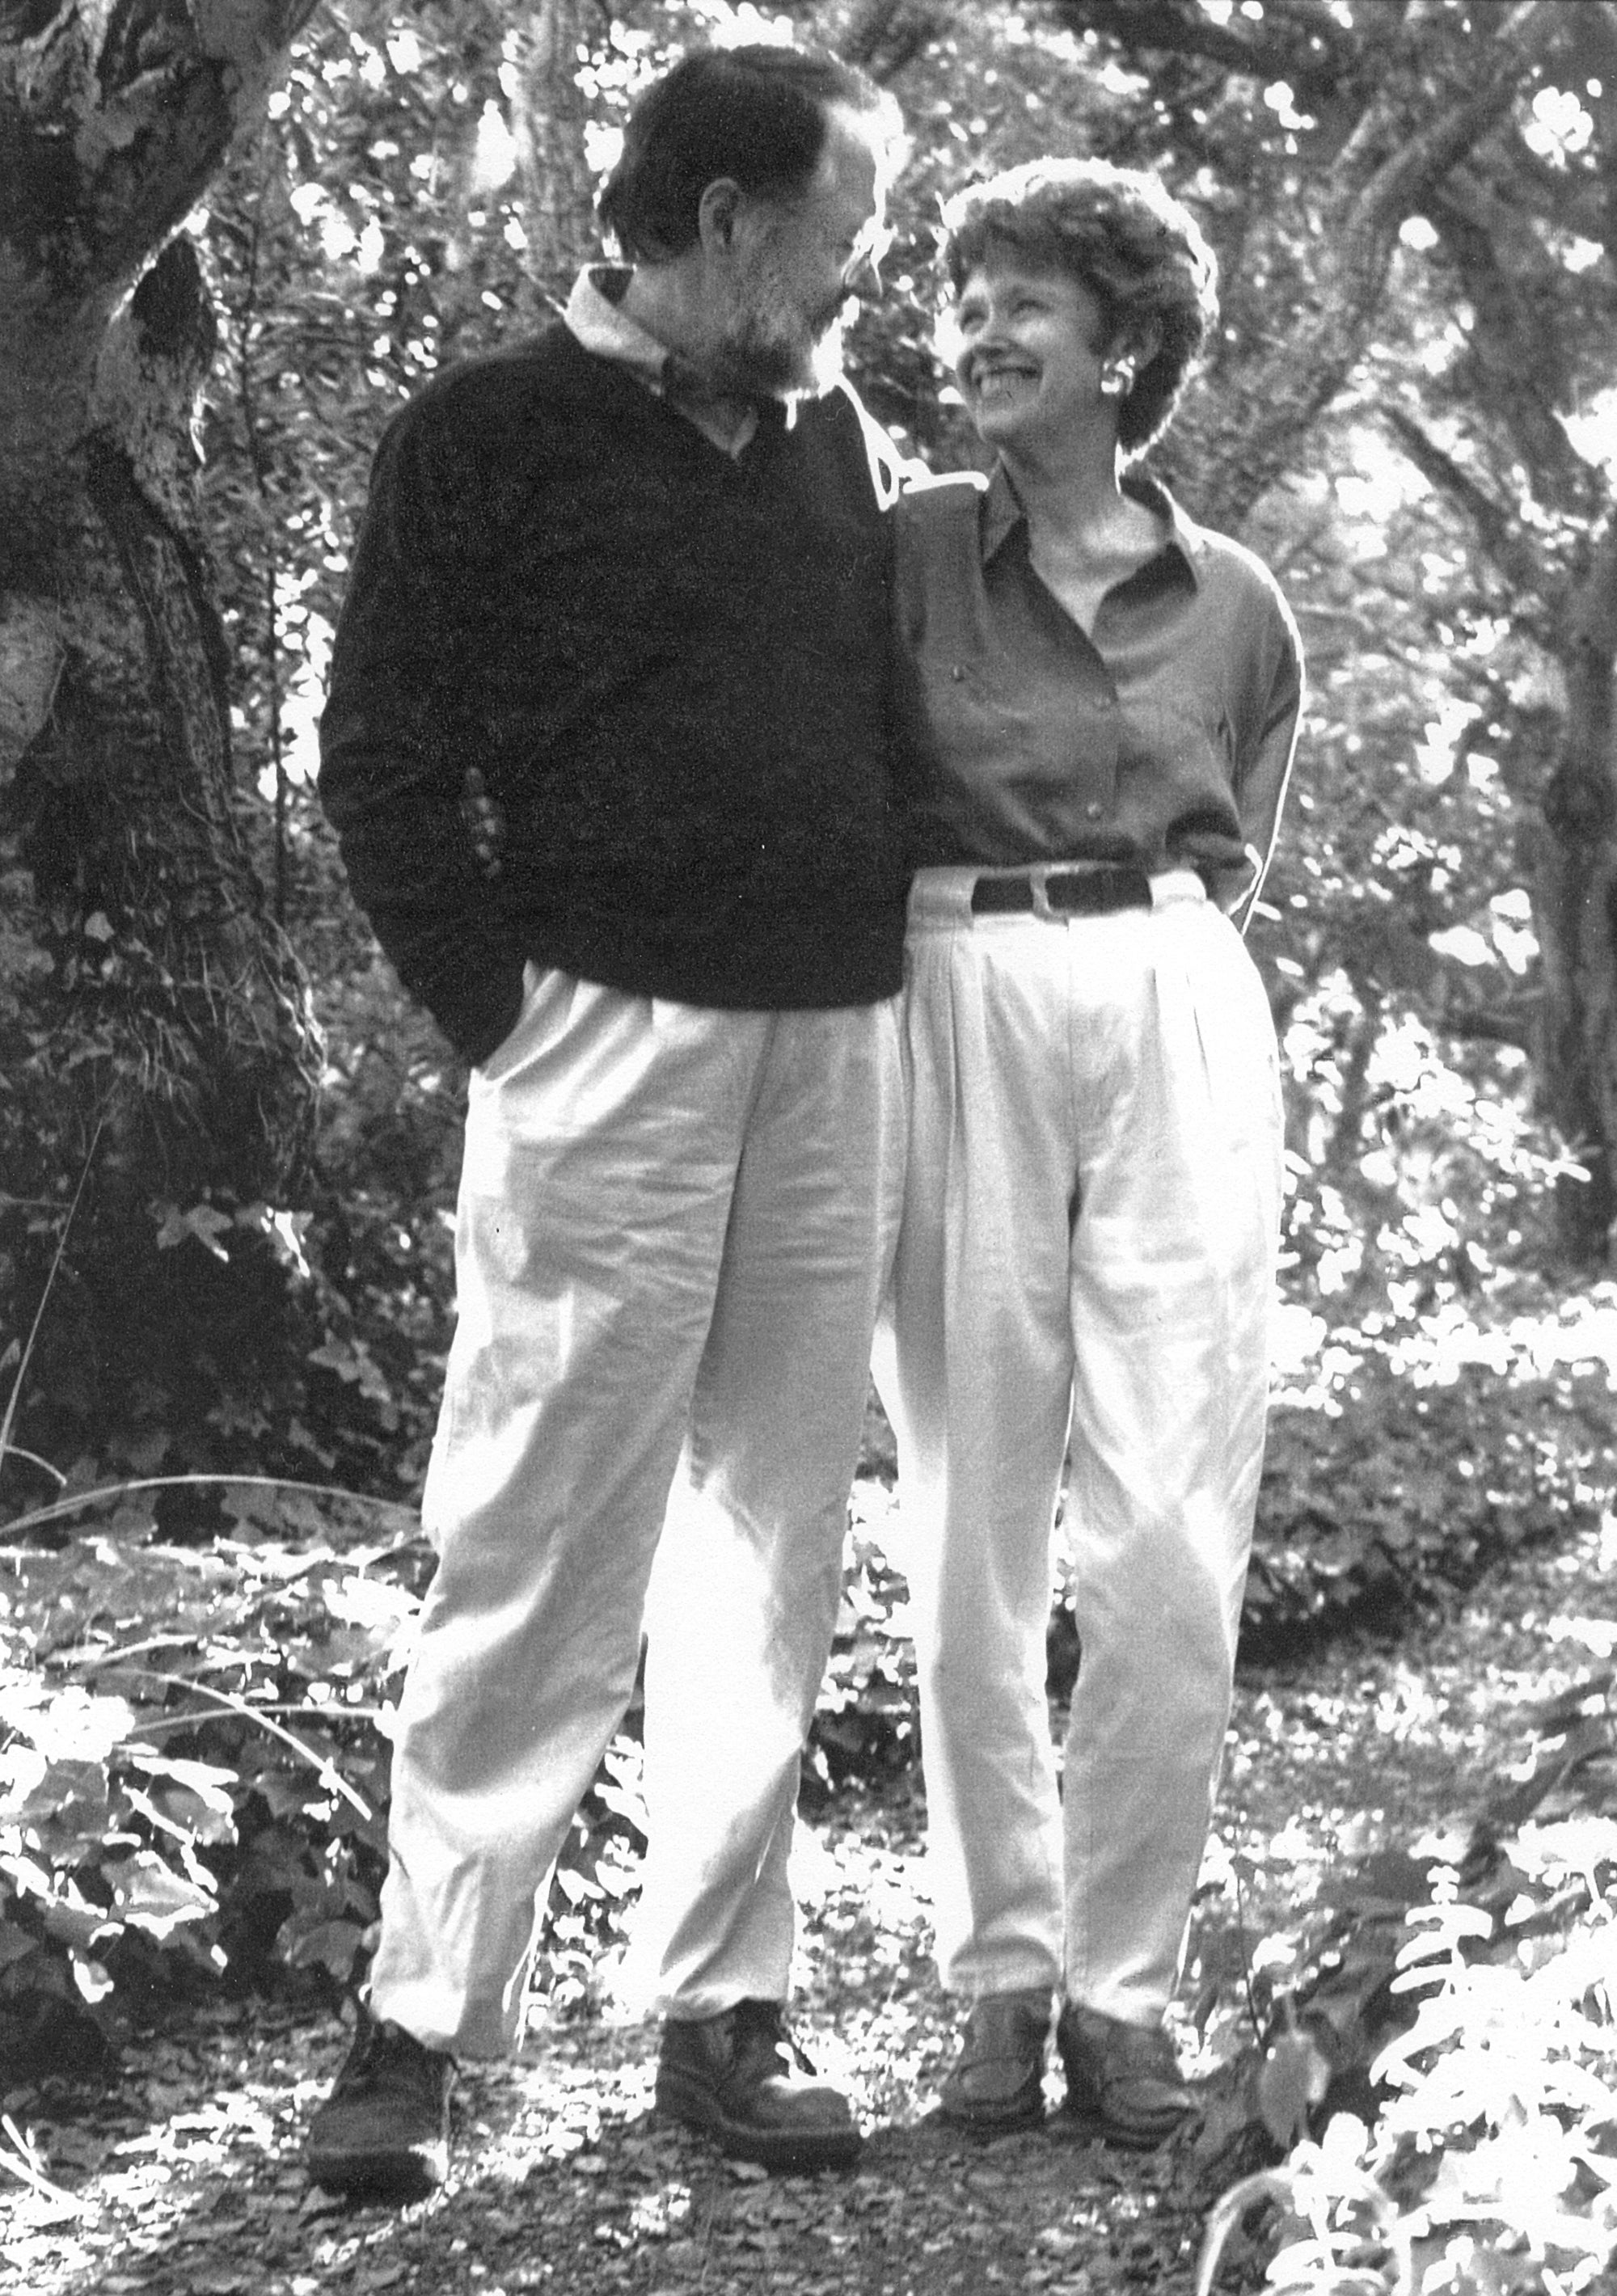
195, 1671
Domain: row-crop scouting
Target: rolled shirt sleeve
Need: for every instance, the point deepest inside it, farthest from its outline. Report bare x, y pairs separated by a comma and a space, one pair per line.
1263, 767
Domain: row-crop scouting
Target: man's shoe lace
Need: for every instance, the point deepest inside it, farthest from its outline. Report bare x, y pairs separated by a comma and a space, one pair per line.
384, 2057
761, 2031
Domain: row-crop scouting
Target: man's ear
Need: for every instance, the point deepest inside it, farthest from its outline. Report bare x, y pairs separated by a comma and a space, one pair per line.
717, 211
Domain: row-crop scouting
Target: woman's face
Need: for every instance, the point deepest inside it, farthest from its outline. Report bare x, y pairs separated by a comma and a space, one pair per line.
1028, 347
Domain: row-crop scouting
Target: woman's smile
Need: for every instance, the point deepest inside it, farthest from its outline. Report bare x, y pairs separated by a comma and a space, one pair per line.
1028, 346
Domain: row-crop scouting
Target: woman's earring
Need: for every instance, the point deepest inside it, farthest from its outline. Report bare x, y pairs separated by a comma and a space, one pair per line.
1117, 381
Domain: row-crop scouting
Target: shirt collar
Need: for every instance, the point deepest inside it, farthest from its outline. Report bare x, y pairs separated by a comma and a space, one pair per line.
1002, 512
596, 317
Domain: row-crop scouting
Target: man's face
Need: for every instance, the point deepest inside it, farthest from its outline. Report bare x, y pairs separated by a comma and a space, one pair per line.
795, 266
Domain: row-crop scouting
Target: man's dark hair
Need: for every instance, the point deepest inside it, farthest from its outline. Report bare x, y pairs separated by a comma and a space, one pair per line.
1120, 234
757, 114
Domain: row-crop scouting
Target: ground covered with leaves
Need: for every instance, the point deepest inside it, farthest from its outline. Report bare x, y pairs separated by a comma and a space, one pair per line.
1413, 1826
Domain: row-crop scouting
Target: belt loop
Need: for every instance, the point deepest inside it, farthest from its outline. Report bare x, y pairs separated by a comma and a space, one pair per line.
1170, 885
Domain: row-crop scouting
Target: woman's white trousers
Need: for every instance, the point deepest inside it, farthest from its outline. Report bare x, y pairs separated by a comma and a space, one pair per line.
1087, 1254
668, 1253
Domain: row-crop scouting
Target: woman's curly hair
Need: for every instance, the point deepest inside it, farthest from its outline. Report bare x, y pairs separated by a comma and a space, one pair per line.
1120, 234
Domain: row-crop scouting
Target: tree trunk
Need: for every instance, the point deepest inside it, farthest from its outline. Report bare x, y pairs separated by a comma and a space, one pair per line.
1575, 910
166, 1018
558, 190
114, 715
1560, 568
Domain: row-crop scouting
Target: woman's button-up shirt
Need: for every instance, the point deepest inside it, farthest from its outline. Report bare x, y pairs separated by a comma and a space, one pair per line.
1165, 740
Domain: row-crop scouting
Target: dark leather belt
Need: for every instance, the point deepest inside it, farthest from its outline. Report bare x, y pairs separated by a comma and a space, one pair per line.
1074, 892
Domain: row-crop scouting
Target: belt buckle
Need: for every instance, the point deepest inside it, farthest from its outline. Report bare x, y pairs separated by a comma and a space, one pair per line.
1080, 877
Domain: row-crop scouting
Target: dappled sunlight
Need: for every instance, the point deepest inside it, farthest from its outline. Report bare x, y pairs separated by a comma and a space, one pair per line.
1354, 1750
1343, 1772
1413, 2011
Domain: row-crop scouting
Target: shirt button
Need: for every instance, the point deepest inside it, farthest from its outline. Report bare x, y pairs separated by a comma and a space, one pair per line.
956, 672
1092, 813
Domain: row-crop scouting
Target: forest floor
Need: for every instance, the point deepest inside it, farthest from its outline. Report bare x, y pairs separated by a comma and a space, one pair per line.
184, 2177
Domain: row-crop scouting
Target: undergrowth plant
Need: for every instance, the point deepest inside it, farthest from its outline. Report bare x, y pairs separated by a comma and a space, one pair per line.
193, 1782
194, 1744
1474, 2028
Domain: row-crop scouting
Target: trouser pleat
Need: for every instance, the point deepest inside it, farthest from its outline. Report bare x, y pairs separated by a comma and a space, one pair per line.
1086, 1255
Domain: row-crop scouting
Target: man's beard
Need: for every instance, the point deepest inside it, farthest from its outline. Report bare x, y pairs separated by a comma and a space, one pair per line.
774, 350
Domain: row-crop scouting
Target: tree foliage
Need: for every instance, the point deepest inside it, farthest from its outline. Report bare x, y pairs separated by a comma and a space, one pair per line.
1403, 198
1432, 266
304, 216
1438, 2072
1408, 411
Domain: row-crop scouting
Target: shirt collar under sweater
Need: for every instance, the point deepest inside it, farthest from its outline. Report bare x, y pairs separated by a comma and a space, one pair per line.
1003, 514
596, 318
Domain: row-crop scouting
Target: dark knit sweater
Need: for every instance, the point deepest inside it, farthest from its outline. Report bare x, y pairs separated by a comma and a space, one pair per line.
670, 666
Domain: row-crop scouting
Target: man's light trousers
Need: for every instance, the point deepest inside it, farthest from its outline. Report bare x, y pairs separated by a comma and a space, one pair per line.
1088, 1248
668, 1253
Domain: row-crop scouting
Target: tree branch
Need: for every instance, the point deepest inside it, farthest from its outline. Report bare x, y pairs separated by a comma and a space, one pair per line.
1511, 1024
868, 27
1390, 168
884, 37
1302, 42
1515, 554
151, 96
1518, 358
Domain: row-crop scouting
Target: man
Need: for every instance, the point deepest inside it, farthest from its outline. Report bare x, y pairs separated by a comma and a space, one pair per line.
629, 578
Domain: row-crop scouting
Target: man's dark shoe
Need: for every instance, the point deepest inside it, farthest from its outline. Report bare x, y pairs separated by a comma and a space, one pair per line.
741, 2077
1123, 2081
384, 2132
997, 2080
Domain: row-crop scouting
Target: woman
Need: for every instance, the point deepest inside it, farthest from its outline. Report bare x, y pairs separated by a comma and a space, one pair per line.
1101, 702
